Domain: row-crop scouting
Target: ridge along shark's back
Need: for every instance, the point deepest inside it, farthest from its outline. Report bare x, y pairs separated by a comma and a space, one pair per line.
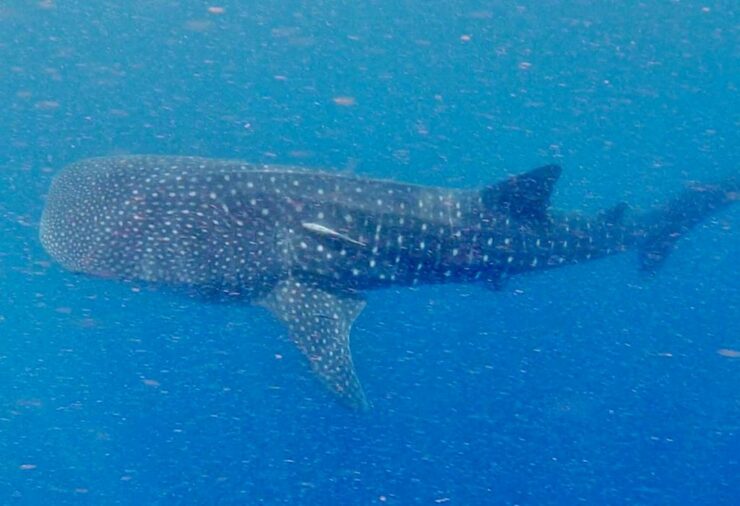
305, 244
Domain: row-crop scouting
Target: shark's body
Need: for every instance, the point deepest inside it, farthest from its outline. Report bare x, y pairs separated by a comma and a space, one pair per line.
306, 244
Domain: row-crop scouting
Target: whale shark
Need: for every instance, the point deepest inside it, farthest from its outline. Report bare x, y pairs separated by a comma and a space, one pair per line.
307, 244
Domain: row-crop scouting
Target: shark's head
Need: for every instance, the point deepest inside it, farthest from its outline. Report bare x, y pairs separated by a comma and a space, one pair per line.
111, 217
171, 220
76, 225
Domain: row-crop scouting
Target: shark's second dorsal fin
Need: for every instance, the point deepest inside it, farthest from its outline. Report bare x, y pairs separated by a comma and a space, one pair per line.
319, 323
526, 196
614, 215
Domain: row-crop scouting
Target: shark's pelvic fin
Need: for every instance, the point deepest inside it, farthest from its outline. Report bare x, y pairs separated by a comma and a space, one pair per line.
319, 322
526, 196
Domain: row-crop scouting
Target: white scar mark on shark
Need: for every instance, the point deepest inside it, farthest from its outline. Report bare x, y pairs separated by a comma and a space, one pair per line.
323, 230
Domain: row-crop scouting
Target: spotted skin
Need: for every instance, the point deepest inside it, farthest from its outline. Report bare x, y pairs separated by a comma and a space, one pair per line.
306, 244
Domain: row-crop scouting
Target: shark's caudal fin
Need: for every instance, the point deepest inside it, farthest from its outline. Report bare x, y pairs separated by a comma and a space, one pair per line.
525, 196
319, 323
661, 229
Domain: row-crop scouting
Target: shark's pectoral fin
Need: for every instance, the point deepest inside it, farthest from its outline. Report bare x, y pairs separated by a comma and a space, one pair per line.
319, 322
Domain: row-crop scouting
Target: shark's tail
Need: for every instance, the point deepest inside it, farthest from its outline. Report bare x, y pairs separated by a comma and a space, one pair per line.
665, 226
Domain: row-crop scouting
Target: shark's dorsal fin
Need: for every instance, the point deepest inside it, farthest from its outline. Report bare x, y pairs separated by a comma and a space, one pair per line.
319, 322
526, 196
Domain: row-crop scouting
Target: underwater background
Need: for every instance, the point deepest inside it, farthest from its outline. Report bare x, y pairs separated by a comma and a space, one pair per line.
586, 385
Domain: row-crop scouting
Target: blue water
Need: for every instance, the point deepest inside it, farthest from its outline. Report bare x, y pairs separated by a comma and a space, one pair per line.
588, 385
